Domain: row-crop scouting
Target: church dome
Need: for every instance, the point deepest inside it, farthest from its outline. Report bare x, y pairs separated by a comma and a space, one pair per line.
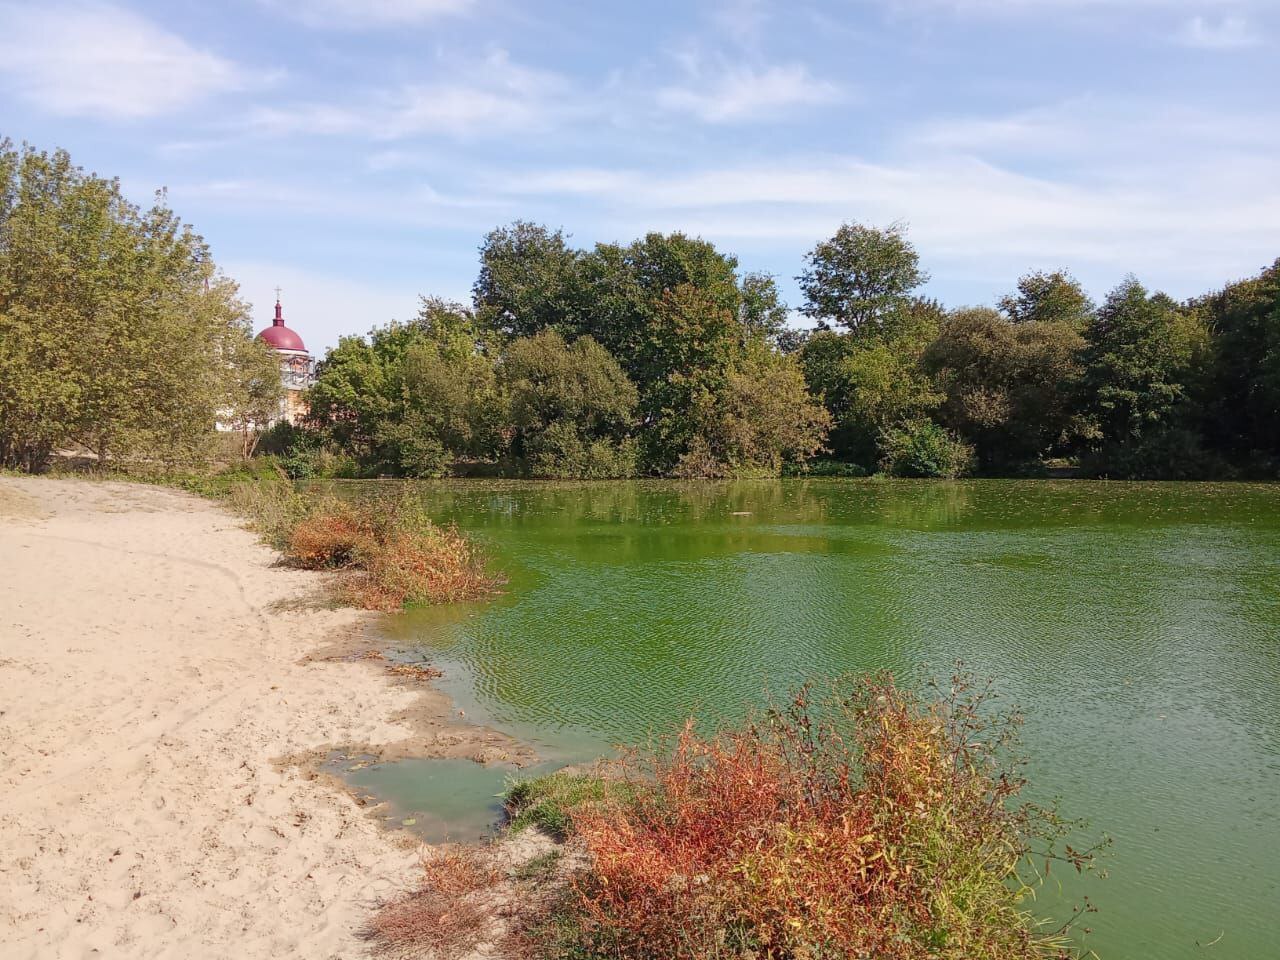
279, 337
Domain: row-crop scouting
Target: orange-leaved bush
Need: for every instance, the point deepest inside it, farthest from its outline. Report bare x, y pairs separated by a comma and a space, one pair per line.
392, 554
870, 824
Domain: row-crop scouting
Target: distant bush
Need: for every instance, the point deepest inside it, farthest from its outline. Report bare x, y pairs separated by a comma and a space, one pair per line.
560, 453
1173, 453
825, 468
921, 448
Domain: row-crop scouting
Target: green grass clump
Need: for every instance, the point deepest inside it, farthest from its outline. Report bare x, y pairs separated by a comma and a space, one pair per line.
548, 802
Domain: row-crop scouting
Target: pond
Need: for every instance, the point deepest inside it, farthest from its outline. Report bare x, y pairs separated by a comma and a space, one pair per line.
1138, 626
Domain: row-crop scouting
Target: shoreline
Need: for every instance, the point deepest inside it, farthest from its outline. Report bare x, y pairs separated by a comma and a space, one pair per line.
168, 693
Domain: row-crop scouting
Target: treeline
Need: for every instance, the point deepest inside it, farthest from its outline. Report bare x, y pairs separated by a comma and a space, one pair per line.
660, 358
117, 334
654, 358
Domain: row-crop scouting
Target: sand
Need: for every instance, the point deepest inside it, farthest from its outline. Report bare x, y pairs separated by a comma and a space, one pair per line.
155, 665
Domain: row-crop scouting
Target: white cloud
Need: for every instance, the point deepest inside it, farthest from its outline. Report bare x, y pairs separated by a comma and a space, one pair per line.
366, 13
739, 93
1229, 33
98, 60
1110, 133
495, 98
1184, 222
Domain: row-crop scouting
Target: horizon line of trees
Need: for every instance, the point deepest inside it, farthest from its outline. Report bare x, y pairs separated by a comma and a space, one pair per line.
659, 358
655, 358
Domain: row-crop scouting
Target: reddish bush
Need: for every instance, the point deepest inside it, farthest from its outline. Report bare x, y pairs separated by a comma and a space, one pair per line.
391, 553
331, 538
873, 825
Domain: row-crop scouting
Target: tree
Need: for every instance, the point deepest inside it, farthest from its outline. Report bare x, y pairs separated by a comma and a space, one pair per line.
685, 358
861, 277
528, 281
870, 383
1008, 387
572, 407
414, 397
1048, 298
762, 313
1245, 320
1143, 360
117, 333
763, 419
255, 399
922, 448
630, 315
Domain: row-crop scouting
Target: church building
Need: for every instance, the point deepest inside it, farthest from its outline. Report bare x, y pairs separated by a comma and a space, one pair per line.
296, 366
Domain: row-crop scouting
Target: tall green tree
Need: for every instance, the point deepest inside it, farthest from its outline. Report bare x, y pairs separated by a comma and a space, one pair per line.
762, 419
1145, 361
572, 407
117, 333
412, 398
1244, 407
1008, 388
861, 278
528, 282
1048, 298
873, 380
762, 313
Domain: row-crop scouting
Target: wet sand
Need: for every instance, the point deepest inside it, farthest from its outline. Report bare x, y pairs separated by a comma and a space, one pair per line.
162, 683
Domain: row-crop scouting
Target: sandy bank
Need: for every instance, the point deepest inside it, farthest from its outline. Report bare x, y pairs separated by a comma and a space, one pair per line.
154, 662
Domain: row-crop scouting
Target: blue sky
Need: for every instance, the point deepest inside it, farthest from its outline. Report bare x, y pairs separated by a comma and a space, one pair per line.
356, 151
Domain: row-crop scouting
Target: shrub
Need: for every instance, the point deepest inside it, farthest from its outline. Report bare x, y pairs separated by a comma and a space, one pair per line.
825, 468
871, 824
272, 506
921, 448
1172, 453
419, 564
391, 554
334, 536
560, 453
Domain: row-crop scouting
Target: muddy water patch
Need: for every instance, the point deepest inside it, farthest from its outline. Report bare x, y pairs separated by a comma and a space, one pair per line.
437, 800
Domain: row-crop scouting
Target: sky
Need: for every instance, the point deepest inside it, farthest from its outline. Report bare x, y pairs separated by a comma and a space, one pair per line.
355, 152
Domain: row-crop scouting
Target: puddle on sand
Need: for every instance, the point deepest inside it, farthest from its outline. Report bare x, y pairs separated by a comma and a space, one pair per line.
438, 800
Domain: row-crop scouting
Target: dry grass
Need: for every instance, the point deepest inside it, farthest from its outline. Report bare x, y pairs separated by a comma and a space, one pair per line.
451, 914
391, 555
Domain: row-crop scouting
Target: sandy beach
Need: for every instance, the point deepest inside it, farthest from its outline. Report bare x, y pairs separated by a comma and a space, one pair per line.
155, 665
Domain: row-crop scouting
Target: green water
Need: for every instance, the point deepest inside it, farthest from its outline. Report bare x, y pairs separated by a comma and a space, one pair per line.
1137, 624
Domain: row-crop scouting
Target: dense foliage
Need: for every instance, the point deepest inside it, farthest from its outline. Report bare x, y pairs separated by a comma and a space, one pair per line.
117, 334
651, 358
659, 358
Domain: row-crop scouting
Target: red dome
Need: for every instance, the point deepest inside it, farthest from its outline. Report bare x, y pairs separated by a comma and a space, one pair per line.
280, 337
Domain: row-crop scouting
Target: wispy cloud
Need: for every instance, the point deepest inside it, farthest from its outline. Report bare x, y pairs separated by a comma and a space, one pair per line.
98, 60
346, 14
495, 97
1184, 223
733, 93
1229, 33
